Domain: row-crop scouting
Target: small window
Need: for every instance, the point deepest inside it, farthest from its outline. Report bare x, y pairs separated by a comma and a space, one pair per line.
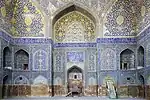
125, 65
128, 78
20, 78
25, 66
75, 76
127, 59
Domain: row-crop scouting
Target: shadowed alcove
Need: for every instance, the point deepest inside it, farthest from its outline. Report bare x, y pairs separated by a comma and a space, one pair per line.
127, 59
21, 60
7, 58
75, 78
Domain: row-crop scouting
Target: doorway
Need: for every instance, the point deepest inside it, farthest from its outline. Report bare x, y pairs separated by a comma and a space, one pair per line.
75, 80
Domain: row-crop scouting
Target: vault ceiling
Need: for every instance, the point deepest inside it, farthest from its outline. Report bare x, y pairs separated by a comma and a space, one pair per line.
30, 18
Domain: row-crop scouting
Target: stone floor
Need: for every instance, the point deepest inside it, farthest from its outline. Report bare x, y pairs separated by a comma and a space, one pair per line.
71, 98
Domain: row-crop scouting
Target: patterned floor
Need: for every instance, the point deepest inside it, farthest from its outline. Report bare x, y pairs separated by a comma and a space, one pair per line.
71, 98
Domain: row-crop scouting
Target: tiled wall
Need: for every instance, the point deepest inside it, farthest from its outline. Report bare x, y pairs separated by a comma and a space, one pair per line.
42, 49
100, 60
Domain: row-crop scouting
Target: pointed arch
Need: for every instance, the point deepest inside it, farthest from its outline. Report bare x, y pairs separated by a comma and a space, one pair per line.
127, 49
78, 31
75, 69
7, 58
75, 72
21, 60
127, 59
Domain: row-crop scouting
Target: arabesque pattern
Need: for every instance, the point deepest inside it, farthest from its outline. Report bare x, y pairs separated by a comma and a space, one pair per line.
74, 27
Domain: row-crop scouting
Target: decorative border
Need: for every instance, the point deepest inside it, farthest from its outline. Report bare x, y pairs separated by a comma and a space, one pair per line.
116, 40
28, 41
25, 40
32, 41
56, 45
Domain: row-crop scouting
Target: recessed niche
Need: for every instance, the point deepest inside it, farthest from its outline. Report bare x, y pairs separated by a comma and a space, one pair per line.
127, 60
128, 78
